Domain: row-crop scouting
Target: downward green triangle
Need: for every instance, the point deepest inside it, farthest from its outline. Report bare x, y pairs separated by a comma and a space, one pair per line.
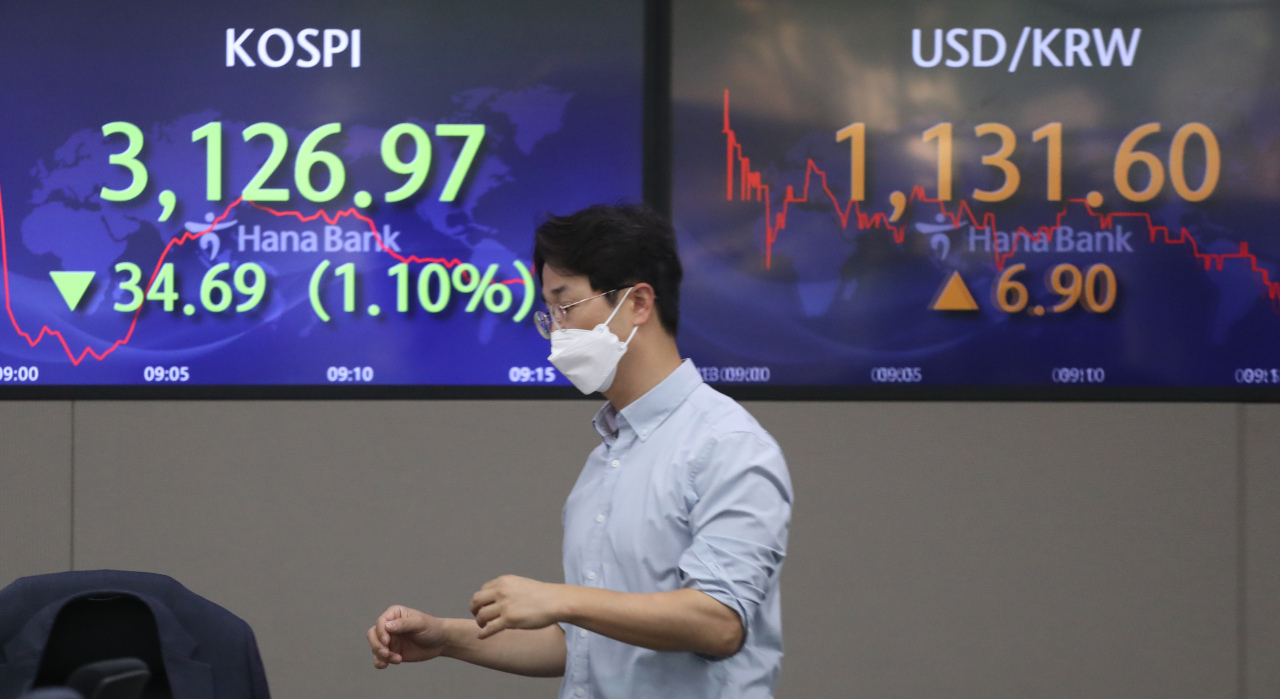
72, 285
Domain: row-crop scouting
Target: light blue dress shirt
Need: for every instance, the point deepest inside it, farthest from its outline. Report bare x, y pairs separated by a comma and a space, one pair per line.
686, 490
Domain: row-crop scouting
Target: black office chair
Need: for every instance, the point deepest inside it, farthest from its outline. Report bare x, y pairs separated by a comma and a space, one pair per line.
122, 678
53, 693
105, 647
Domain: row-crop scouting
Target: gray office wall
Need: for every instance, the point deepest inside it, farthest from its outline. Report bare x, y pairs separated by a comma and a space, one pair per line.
1260, 437
938, 550
35, 488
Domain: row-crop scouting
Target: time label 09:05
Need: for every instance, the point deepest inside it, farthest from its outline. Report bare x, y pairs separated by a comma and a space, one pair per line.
161, 374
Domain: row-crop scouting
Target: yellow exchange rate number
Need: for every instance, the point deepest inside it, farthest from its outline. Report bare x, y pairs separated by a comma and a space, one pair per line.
1129, 159
1096, 287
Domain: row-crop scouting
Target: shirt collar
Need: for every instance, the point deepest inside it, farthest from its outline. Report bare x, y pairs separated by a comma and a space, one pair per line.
650, 410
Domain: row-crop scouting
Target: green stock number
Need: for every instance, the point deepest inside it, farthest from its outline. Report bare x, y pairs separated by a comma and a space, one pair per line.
216, 293
310, 158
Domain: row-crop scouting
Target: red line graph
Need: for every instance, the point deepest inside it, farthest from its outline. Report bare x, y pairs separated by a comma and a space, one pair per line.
187, 237
750, 187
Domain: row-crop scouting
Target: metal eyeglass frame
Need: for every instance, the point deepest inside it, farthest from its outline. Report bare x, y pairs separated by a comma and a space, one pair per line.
553, 318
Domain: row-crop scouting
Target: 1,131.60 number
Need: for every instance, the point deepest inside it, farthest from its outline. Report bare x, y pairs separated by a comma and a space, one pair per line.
1127, 157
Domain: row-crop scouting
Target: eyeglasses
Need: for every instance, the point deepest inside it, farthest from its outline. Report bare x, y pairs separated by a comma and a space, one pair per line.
554, 317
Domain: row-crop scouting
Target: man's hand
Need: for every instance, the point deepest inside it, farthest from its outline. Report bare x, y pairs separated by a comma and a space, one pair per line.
404, 635
512, 602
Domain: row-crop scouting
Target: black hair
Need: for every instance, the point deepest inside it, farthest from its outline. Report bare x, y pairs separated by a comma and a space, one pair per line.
614, 247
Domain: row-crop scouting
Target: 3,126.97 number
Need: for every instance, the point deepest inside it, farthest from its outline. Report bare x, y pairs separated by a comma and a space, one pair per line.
308, 157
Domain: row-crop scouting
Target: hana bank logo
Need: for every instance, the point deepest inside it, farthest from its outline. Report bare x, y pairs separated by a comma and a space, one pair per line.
987, 48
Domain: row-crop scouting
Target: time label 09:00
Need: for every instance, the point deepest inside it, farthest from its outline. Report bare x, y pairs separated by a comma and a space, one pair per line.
19, 374
735, 374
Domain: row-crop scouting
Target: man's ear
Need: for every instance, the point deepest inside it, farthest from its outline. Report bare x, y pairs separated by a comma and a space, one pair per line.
642, 303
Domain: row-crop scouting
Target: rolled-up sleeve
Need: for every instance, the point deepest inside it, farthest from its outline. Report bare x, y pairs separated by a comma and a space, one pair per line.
741, 511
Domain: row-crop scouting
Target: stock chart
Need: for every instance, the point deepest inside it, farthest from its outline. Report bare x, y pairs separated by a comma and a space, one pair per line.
993, 194
301, 193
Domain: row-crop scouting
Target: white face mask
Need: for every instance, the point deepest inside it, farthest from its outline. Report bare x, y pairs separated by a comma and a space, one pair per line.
589, 358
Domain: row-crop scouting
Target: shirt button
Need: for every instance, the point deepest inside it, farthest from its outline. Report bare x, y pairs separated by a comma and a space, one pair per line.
582, 633
616, 463
644, 433
581, 692
591, 576
599, 518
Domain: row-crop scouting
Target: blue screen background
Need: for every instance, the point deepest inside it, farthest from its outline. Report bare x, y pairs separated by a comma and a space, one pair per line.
557, 87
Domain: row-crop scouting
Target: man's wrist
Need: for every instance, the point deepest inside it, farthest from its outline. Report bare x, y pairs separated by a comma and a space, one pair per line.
459, 635
569, 606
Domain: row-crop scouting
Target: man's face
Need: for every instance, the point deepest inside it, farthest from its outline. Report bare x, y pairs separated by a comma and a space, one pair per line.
564, 290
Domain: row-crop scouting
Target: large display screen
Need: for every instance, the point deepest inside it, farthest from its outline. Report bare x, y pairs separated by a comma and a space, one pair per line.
999, 195
300, 193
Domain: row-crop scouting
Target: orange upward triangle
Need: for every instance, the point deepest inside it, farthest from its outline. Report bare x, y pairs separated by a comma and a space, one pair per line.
954, 296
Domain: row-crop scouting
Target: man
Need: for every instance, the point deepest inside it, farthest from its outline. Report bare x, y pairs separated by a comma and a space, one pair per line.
675, 532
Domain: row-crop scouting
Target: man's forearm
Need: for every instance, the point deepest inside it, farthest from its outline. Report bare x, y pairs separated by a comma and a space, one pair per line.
680, 621
537, 653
